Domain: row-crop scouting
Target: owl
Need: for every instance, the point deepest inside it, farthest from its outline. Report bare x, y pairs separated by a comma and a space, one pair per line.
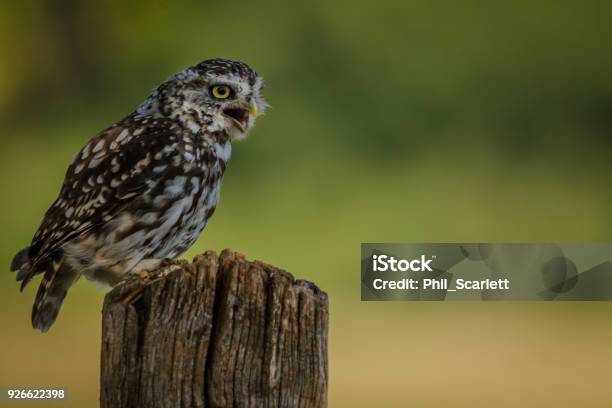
143, 189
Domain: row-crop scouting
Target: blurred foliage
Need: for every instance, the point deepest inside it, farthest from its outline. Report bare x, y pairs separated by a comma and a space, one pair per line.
390, 121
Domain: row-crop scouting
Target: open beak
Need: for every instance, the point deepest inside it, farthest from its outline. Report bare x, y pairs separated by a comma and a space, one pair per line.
240, 116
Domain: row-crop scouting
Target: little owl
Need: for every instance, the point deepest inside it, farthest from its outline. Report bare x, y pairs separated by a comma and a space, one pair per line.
143, 189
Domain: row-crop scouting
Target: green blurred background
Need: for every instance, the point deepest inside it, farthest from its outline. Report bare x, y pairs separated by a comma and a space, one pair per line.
420, 121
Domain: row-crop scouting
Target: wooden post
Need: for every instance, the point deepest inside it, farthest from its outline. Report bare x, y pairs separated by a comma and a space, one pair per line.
219, 332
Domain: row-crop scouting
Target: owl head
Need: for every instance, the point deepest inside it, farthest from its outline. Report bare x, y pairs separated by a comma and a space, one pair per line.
216, 96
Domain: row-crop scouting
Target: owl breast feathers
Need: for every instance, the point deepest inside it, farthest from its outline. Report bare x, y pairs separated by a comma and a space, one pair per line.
143, 189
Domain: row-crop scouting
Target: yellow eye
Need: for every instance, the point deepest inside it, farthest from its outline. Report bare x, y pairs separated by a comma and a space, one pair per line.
221, 91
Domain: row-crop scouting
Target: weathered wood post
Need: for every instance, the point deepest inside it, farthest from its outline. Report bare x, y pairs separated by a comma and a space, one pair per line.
219, 332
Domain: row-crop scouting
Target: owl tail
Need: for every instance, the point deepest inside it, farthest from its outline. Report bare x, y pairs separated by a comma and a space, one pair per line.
58, 278
21, 264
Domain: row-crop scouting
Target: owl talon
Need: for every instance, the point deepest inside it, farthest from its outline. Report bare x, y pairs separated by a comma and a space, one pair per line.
166, 262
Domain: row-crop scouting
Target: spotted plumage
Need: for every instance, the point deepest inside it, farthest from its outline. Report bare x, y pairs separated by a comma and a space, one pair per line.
143, 189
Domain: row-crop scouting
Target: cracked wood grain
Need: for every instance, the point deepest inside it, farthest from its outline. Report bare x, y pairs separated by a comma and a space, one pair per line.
218, 332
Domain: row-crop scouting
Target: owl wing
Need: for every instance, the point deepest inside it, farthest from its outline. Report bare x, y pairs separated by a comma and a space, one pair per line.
119, 164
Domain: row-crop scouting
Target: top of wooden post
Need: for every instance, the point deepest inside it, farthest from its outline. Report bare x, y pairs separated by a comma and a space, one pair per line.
220, 331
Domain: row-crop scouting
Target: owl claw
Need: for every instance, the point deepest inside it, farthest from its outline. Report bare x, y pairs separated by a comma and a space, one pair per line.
166, 262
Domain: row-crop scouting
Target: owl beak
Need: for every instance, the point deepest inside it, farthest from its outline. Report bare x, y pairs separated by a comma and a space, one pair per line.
253, 110
240, 116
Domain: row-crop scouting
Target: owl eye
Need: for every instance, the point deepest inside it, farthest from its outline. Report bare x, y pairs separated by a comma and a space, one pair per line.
221, 91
